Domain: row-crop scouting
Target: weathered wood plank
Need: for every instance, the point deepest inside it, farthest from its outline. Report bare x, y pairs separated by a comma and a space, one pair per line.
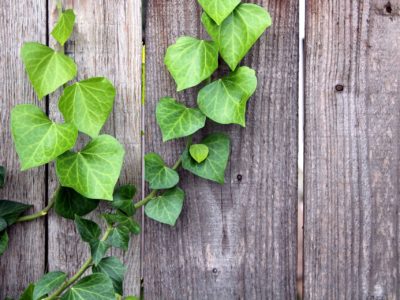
107, 42
352, 150
238, 240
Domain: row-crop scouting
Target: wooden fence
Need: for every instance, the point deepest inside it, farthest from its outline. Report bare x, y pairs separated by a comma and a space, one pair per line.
239, 240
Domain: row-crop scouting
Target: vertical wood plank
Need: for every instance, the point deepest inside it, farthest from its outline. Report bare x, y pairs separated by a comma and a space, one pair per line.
107, 42
236, 241
24, 260
352, 150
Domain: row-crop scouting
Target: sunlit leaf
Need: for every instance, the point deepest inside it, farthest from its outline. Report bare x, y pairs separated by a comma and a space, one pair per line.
64, 27
198, 152
218, 10
158, 174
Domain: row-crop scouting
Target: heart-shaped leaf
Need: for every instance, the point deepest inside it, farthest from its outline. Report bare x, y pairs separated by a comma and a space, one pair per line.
3, 242
97, 286
224, 101
176, 120
219, 10
70, 203
88, 230
119, 238
123, 199
97, 250
198, 152
64, 27
87, 104
46, 68
190, 61
114, 269
213, 168
2, 176
38, 140
11, 210
167, 207
94, 171
48, 283
238, 33
158, 174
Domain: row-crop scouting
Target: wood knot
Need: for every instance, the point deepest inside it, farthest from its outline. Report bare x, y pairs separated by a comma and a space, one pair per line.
339, 88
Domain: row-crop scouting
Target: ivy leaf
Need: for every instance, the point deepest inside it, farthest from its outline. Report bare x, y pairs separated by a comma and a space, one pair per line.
88, 230
199, 152
123, 199
11, 210
87, 104
219, 10
119, 238
48, 283
94, 171
46, 68
28, 293
3, 224
122, 220
158, 174
70, 203
64, 27
213, 168
190, 61
97, 250
176, 120
239, 32
131, 298
114, 269
97, 286
167, 207
3, 242
224, 101
2, 176
38, 140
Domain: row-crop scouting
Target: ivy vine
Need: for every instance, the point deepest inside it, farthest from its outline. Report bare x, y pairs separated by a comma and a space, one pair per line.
90, 175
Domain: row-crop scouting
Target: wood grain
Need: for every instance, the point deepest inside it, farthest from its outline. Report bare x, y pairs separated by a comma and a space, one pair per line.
352, 149
238, 240
107, 42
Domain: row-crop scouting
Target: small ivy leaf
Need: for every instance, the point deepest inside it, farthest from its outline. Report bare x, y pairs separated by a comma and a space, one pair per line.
224, 101
239, 32
97, 286
3, 242
70, 203
87, 104
190, 61
11, 210
3, 224
48, 283
2, 176
64, 27
28, 293
176, 120
88, 230
114, 269
199, 152
119, 238
219, 10
46, 68
123, 199
158, 174
94, 171
38, 140
97, 250
167, 207
122, 220
213, 168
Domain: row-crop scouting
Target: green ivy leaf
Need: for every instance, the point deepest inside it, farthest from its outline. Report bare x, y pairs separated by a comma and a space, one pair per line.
38, 140
11, 210
219, 10
46, 68
3, 242
114, 269
167, 207
64, 27
190, 61
213, 168
239, 32
158, 174
131, 298
87, 104
97, 250
119, 238
48, 283
70, 203
88, 230
199, 152
2, 176
97, 286
122, 220
176, 120
123, 199
224, 101
94, 171
28, 293
3, 224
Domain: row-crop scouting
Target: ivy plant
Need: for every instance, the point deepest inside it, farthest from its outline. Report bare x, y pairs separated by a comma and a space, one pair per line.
90, 175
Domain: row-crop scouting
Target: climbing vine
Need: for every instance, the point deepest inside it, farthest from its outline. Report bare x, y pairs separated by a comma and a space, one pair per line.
90, 175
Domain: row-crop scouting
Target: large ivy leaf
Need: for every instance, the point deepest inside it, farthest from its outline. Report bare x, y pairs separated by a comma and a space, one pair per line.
213, 168
198, 152
3, 242
158, 174
11, 210
97, 286
94, 171
113, 268
70, 203
224, 101
64, 27
46, 68
87, 104
218, 10
88, 230
167, 207
2, 176
38, 140
48, 283
176, 120
123, 199
238, 33
190, 61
